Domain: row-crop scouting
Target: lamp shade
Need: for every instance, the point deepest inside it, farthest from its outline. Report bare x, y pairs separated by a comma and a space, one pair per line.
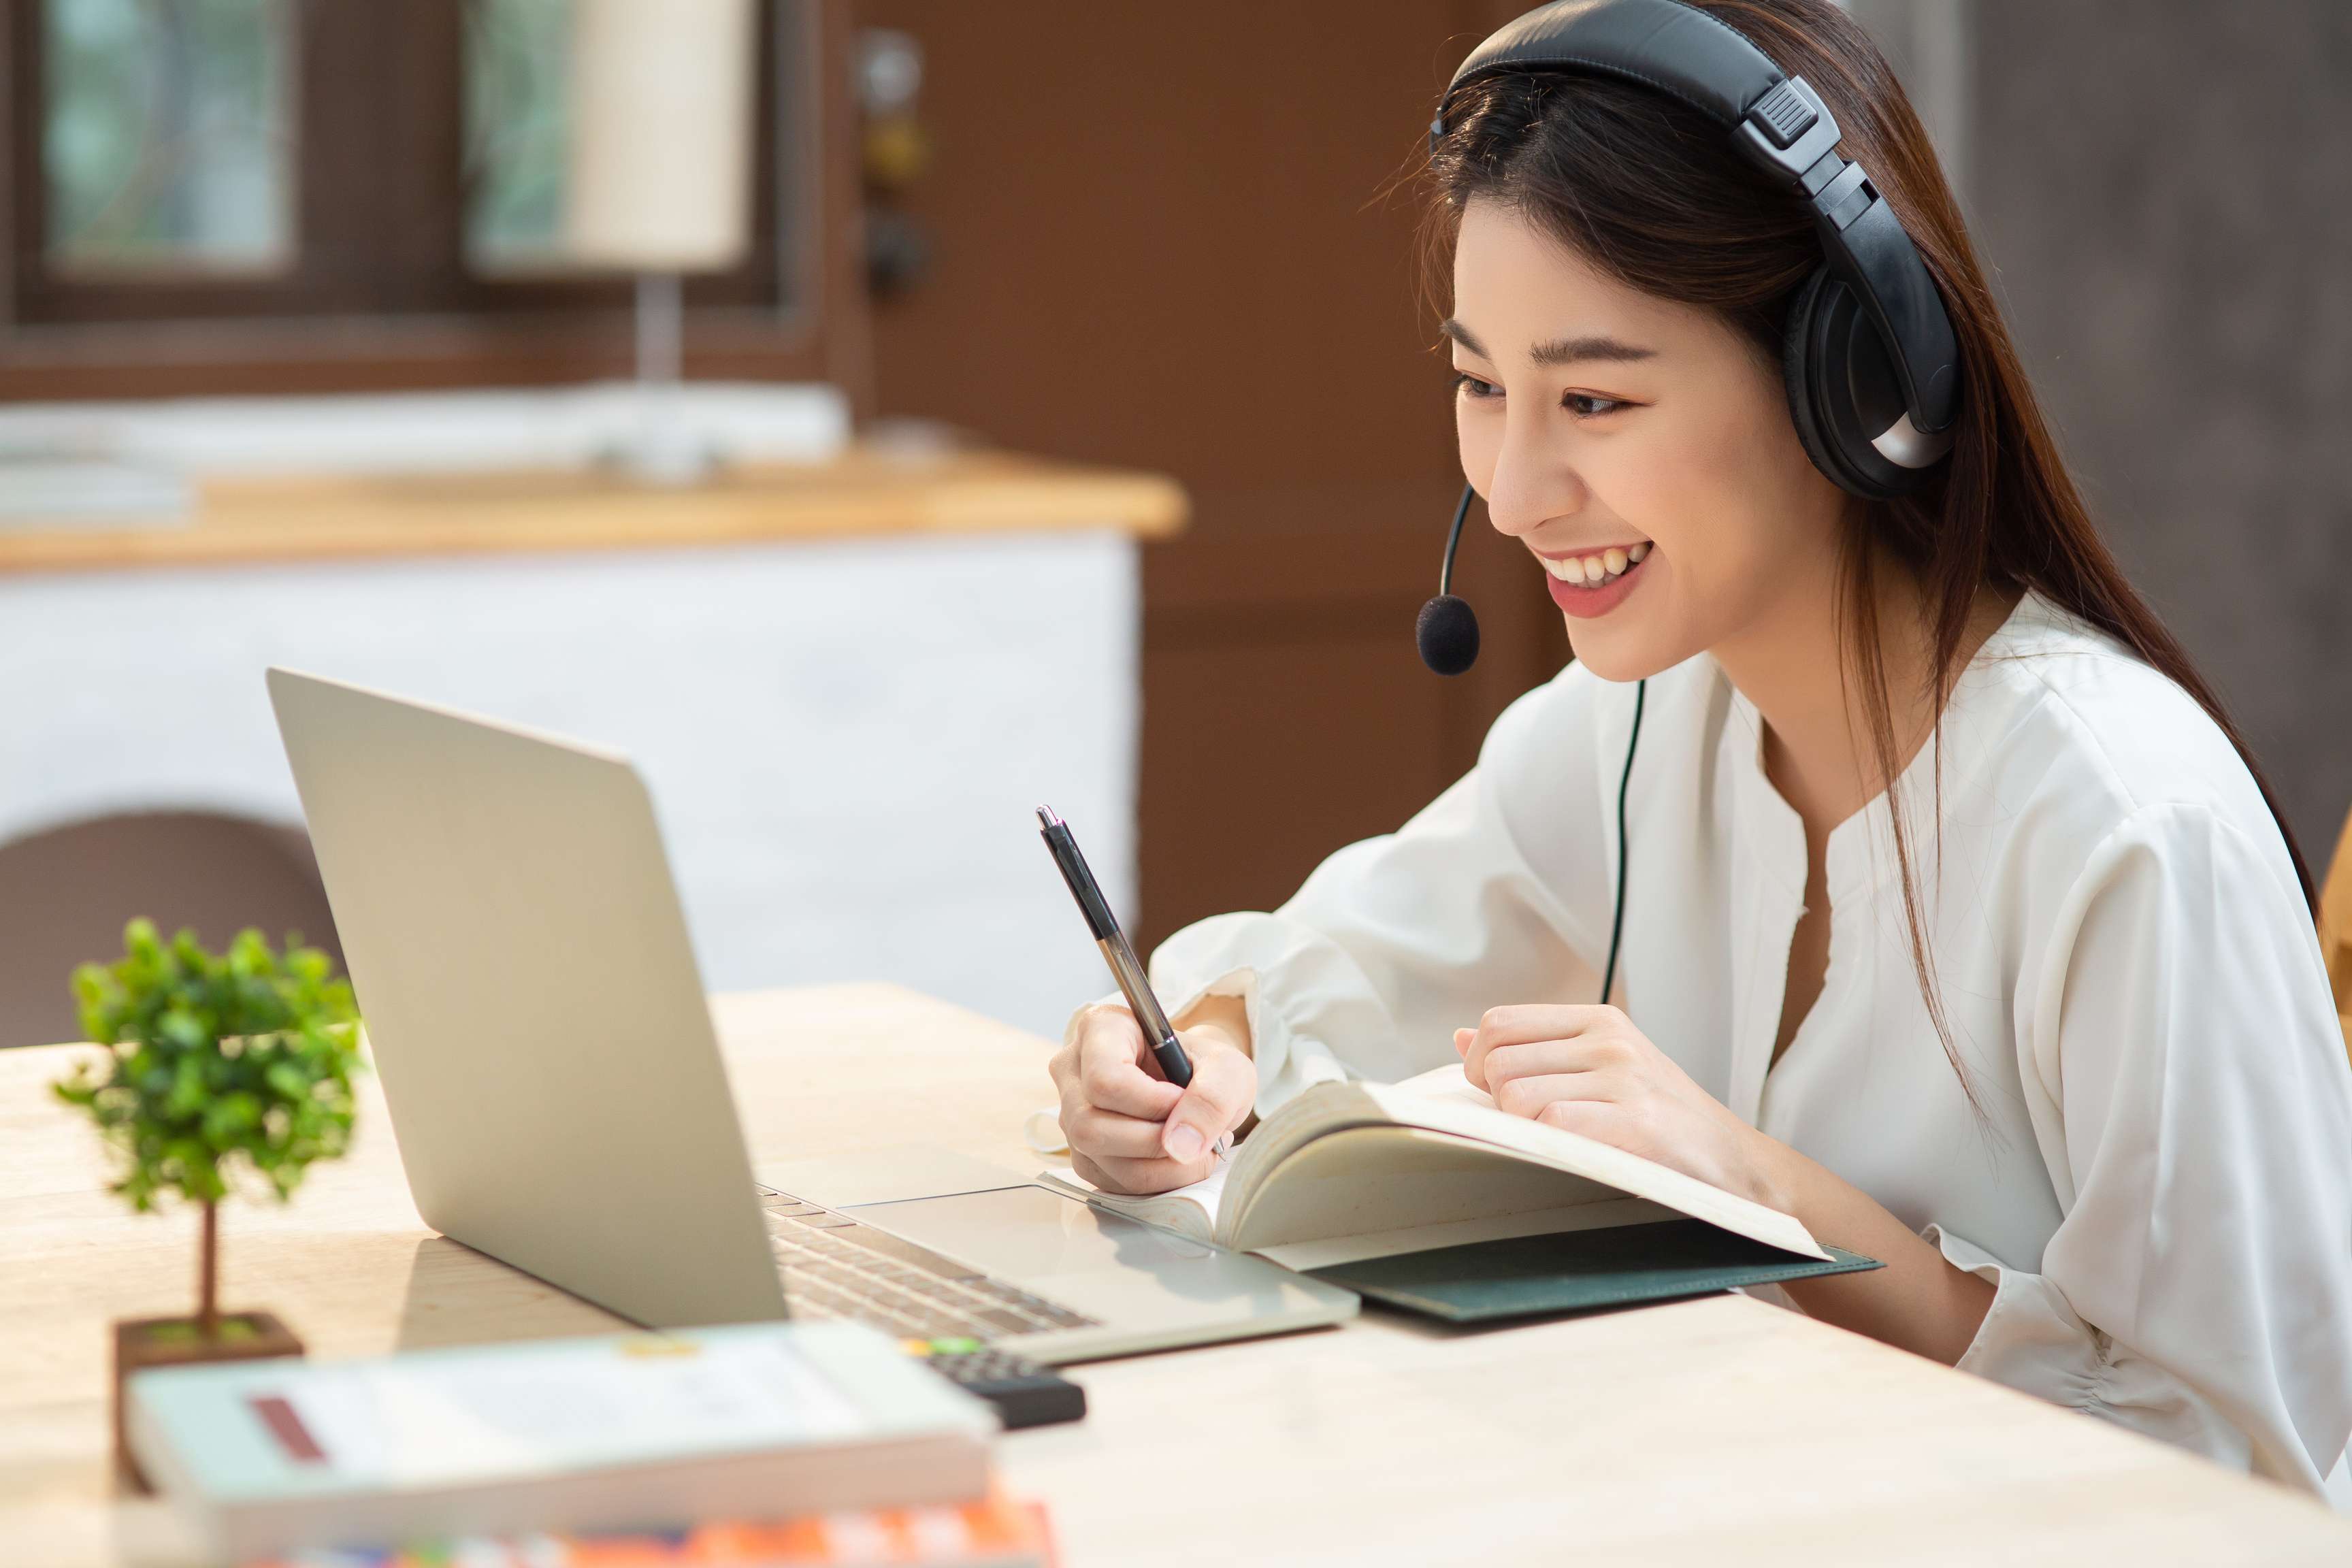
661, 134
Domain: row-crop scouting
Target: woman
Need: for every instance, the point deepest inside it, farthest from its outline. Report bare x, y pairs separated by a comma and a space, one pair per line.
1958, 923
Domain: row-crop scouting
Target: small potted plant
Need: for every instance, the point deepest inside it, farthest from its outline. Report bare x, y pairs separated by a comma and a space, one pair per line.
242, 1061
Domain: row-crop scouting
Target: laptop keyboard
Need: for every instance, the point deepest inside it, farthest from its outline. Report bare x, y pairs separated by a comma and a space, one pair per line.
836, 1267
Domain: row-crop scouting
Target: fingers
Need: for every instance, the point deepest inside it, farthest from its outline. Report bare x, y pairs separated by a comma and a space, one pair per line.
1130, 1132
1540, 1021
1529, 1096
1106, 1132
1124, 1153
1108, 1071
1223, 1088
1555, 1081
1103, 1176
1505, 1027
1138, 1177
1584, 1054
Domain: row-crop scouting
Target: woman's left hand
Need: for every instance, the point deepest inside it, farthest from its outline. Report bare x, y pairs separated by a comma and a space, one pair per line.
1586, 1069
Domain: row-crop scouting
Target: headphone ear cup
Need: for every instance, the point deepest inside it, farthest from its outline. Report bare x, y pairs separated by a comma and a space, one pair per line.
1835, 364
1796, 373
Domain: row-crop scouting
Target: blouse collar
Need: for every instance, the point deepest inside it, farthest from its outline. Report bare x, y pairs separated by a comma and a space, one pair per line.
1861, 850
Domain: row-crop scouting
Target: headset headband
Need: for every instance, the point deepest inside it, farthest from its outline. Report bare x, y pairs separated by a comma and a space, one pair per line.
1781, 124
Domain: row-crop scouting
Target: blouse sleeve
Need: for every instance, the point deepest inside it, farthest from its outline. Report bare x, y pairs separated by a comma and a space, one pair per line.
1393, 941
2188, 1087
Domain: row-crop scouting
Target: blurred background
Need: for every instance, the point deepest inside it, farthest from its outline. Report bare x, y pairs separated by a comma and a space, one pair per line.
788, 392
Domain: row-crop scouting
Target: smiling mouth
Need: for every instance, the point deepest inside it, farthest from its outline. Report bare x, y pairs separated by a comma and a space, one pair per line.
1597, 569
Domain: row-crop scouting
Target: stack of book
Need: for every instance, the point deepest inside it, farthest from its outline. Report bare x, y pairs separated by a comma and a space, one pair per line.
996, 1533
830, 1441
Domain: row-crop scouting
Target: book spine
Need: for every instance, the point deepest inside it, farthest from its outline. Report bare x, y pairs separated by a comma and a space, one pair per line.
993, 1533
940, 1470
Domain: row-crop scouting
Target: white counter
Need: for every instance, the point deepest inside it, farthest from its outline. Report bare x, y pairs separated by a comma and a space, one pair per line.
844, 738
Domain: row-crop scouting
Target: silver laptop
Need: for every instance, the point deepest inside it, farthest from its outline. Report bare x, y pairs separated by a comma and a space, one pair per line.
540, 1028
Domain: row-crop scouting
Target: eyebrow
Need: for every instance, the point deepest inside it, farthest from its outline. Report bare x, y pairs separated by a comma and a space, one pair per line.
1559, 351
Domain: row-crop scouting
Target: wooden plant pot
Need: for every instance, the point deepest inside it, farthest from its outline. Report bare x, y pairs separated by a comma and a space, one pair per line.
141, 1342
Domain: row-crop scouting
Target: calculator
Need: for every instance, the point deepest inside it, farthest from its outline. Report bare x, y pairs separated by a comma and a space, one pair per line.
1023, 1393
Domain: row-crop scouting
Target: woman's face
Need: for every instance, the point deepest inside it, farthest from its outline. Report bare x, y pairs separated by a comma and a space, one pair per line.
1640, 448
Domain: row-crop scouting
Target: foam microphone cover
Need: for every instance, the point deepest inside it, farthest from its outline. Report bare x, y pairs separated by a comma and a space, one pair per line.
1448, 633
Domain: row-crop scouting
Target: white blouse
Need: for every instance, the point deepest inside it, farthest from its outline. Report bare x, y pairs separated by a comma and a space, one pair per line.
2159, 1181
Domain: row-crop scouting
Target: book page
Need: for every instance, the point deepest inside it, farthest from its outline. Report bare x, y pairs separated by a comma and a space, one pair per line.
1254, 1201
1448, 1083
1444, 1110
1371, 1177
1305, 1255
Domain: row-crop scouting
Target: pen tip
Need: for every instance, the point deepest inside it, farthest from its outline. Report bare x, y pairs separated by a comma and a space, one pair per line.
1046, 818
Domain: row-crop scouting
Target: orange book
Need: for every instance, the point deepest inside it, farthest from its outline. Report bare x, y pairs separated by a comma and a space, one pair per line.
996, 1533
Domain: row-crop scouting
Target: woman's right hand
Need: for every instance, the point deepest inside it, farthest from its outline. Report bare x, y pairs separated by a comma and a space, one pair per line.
1131, 1131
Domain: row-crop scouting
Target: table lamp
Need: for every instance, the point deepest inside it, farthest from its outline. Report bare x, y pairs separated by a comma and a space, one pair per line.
660, 181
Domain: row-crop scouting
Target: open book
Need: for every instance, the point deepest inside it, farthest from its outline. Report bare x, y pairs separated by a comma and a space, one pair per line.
1348, 1173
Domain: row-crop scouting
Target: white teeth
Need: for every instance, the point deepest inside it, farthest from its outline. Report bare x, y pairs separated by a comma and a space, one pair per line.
1593, 571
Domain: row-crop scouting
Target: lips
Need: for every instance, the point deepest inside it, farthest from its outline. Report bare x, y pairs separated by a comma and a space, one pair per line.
1585, 598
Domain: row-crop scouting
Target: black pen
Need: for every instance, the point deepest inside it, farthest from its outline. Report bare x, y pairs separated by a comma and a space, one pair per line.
1116, 952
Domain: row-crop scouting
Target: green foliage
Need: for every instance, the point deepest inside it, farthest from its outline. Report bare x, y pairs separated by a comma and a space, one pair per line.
248, 1053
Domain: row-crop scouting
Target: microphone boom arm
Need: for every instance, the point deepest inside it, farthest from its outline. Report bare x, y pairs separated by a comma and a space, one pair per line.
1453, 541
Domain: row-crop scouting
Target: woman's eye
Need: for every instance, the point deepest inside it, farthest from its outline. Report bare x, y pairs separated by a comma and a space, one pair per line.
1584, 405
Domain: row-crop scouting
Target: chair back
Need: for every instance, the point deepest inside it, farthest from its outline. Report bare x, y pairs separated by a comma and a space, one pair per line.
2335, 929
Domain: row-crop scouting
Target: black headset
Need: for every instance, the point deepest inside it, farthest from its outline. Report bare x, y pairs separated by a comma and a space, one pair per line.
1871, 365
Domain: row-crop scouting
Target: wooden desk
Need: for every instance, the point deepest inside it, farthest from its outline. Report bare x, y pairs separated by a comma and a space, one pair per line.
1715, 1430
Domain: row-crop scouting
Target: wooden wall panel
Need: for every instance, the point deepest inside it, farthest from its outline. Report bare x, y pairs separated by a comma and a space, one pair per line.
1161, 239
1286, 713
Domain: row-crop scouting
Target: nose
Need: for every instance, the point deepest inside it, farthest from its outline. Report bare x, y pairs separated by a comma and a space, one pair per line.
1532, 481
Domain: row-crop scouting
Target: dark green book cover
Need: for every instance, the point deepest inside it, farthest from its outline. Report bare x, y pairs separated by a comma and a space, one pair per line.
1614, 1267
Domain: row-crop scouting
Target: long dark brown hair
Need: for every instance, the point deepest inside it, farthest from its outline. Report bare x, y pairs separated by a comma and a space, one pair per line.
1652, 192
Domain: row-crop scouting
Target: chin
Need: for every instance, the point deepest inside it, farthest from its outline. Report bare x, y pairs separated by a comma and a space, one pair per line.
1622, 653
